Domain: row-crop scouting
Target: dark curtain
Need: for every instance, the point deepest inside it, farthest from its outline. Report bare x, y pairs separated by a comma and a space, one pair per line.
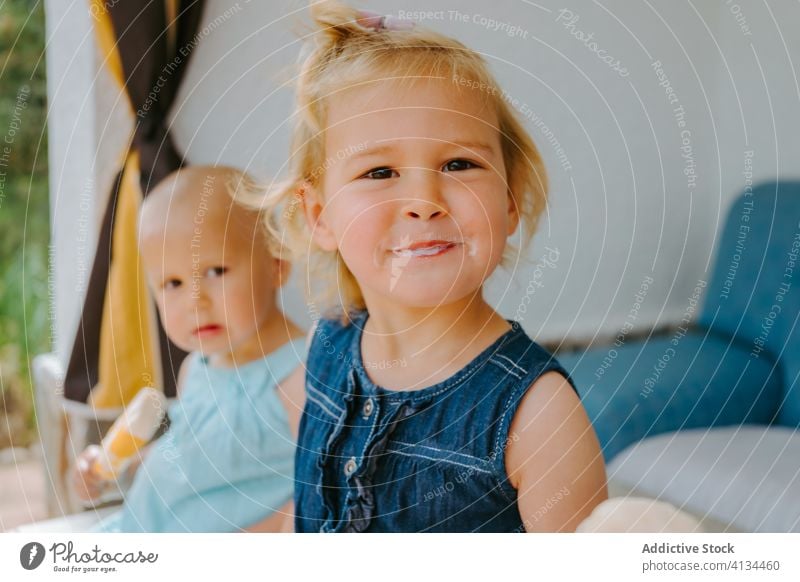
153, 71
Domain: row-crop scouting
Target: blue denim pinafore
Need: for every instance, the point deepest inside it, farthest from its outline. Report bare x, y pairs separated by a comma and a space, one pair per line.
376, 460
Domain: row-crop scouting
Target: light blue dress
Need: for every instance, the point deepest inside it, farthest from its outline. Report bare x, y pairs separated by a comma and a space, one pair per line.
227, 460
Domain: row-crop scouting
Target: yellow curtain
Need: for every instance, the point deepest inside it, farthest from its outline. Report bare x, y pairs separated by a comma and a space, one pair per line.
106, 40
128, 358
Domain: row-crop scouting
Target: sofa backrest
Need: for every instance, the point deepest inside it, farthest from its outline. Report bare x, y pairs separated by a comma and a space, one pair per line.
754, 295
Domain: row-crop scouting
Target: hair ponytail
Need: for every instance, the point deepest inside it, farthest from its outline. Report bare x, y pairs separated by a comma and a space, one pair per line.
336, 23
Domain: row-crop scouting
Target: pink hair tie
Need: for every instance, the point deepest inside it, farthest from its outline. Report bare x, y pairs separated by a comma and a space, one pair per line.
379, 22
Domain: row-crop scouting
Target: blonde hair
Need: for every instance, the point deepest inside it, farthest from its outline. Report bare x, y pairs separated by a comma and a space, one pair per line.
195, 184
343, 54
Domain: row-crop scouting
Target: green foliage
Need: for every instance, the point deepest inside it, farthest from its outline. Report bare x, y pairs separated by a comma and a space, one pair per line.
24, 209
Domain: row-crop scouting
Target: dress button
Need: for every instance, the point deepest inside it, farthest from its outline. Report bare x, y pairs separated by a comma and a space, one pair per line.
369, 406
350, 466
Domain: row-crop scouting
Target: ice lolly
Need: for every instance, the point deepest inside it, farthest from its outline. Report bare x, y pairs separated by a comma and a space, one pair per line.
131, 431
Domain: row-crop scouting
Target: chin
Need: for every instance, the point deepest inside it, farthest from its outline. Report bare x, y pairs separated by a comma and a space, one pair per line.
186, 346
428, 296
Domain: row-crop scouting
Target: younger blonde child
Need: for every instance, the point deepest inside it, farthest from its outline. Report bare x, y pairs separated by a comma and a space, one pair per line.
227, 461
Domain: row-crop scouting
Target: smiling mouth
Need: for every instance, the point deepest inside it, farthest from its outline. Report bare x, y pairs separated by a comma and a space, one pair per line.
425, 249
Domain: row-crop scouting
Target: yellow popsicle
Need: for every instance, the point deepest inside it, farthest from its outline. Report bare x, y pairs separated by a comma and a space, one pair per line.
132, 431
125, 445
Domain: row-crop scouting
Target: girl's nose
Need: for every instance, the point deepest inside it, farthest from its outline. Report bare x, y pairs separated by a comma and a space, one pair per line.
201, 298
425, 200
423, 210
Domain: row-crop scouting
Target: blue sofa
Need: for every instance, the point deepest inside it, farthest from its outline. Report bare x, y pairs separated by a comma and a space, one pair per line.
737, 364
707, 416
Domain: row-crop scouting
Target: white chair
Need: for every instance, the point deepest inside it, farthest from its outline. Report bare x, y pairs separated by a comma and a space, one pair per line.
64, 429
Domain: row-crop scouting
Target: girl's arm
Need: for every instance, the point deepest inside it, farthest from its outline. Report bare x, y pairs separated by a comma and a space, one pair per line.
293, 395
292, 390
553, 458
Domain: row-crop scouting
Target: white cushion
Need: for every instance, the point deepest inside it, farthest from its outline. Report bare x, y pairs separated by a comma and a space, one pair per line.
747, 476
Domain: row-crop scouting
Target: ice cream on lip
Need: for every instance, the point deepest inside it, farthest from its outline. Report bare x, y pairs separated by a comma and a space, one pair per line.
429, 245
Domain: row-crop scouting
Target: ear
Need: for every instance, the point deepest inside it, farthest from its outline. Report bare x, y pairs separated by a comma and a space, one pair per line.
313, 207
513, 214
282, 270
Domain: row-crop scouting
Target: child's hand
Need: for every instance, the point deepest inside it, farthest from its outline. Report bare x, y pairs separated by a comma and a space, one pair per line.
86, 482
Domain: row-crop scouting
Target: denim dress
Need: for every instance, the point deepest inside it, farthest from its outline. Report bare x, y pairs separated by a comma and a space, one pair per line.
371, 459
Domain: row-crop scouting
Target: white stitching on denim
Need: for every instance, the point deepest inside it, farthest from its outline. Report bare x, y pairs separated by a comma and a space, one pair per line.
509, 370
320, 394
446, 452
452, 462
512, 362
322, 406
467, 372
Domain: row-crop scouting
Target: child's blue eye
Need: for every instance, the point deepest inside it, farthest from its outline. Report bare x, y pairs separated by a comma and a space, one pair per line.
216, 271
380, 174
458, 165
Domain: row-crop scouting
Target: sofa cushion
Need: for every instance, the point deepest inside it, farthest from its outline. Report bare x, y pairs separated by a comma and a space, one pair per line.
754, 293
642, 389
747, 476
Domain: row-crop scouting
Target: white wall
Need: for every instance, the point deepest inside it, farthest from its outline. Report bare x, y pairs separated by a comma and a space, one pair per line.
621, 207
